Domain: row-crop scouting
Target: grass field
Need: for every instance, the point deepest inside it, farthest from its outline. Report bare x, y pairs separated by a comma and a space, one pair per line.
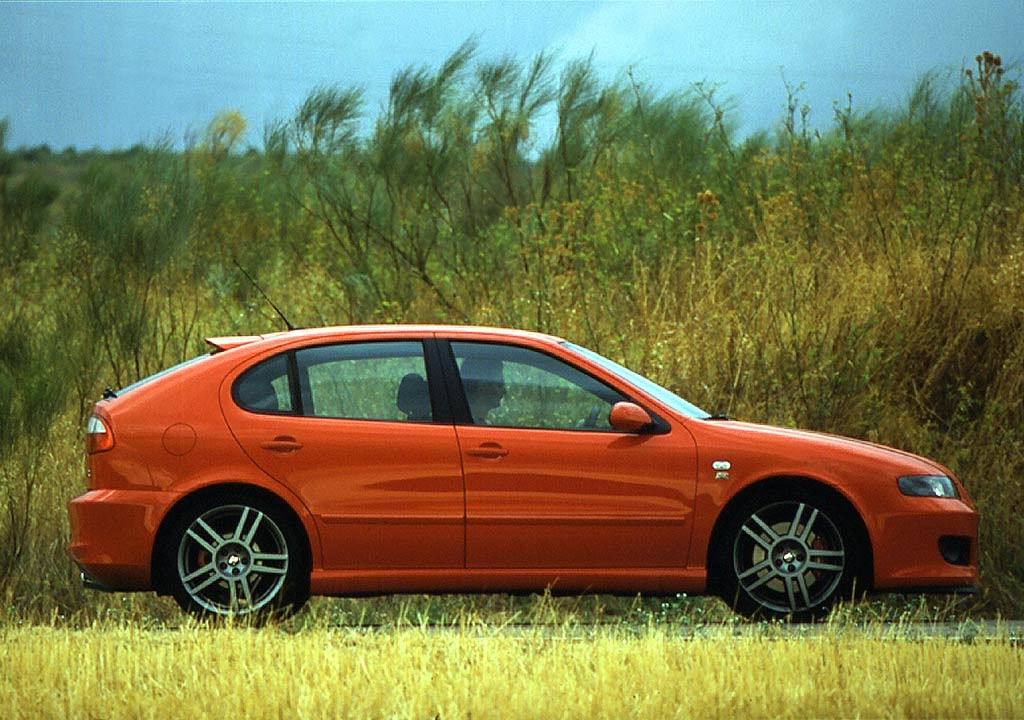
471, 669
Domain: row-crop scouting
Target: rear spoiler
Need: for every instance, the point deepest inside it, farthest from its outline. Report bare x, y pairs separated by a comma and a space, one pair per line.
227, 343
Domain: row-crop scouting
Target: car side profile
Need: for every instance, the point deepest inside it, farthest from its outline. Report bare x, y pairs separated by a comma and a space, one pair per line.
432, 459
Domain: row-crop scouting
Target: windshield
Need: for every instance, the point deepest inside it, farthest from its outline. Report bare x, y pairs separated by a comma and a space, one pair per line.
650, 387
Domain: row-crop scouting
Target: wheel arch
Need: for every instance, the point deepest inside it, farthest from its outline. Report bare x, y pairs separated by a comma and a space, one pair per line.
780, 485
161, 578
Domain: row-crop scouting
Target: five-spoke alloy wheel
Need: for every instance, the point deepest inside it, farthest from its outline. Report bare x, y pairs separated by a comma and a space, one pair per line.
236, 558
787, 557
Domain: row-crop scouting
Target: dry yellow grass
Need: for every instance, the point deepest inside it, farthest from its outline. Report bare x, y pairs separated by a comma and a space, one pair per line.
481, 672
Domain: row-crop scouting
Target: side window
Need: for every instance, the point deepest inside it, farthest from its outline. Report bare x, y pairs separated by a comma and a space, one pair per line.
365, 381
516, 387
264, 387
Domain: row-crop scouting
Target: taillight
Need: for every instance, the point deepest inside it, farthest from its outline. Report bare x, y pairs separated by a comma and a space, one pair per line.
98, 436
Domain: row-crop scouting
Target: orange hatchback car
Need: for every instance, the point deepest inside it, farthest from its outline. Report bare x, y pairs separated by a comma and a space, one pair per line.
428, 459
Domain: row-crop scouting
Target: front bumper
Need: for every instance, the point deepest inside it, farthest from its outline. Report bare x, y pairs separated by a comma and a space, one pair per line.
112, 534
908, 548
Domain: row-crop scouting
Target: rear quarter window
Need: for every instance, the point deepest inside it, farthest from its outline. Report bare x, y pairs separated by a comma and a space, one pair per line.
264, 387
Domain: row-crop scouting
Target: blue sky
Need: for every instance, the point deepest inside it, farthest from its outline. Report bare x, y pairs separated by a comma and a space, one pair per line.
110, 75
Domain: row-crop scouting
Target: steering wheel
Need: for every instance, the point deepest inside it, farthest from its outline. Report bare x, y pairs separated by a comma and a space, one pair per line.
591, 421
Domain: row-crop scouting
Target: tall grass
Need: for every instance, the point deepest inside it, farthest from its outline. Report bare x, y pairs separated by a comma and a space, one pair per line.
475, 671
867, 279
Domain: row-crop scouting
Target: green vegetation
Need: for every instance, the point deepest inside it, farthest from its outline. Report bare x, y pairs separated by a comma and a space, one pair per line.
866, 280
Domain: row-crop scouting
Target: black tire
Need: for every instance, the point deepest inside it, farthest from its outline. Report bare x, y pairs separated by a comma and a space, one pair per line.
788, 555
236, 557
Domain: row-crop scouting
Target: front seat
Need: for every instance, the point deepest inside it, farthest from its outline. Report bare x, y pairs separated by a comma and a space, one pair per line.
414, 398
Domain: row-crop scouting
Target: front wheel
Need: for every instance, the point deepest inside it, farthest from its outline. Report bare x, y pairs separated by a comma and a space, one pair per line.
237, 558
788, 556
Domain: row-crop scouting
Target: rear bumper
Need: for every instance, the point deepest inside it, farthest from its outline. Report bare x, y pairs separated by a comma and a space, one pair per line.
91, 583
112, 534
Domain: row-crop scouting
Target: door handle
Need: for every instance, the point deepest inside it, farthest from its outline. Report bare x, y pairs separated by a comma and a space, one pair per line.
488, 450
282, 444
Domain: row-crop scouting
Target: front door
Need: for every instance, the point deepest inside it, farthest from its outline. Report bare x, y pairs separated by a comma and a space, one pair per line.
549, 483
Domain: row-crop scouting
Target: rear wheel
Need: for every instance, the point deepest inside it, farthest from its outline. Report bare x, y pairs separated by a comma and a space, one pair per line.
237, 558
791, 555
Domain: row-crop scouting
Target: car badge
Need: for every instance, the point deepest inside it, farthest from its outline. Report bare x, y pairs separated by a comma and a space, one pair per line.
721, 468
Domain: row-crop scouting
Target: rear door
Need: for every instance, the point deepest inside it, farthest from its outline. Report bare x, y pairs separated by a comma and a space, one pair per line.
353, 429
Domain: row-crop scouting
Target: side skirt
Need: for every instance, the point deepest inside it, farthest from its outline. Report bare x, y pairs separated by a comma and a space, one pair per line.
648, 581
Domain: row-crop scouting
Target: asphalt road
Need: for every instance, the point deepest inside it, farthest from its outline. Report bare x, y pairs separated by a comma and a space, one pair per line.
967, 632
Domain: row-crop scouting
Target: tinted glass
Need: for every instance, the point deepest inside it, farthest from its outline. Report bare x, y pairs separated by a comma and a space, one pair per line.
264, 387
516, 387
650, 387
365, 381
162, 373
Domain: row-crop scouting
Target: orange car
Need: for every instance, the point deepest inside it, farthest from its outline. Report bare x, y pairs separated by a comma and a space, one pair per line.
391, 459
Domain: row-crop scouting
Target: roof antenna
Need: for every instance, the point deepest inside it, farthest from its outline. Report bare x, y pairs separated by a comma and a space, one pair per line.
265, 296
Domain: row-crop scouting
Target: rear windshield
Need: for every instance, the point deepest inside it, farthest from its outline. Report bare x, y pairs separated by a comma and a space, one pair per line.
168, 371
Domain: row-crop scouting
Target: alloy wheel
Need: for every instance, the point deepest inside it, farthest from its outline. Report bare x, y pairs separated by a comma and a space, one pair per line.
233, 560
789, 557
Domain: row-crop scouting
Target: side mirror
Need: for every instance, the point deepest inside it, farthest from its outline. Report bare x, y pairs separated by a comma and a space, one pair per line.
629, 417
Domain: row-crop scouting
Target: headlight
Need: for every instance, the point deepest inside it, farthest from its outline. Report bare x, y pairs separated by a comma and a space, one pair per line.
927, 486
